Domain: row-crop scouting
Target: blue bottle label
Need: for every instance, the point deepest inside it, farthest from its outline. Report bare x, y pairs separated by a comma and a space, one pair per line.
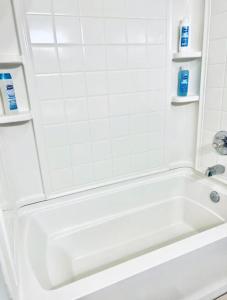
11, 97
184, 36
183, 83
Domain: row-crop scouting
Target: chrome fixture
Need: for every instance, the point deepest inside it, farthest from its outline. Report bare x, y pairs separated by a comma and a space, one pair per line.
220, 142
214, 197
215, 170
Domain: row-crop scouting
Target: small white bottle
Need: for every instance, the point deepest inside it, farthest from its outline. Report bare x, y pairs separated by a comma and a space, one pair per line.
185, 34
8, 93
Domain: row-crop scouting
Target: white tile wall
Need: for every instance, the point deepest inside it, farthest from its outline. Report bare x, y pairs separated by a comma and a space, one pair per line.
215, 112
100, 72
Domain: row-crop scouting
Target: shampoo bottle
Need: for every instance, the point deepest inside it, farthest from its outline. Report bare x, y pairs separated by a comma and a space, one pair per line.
8, 93
183, 80
185, 31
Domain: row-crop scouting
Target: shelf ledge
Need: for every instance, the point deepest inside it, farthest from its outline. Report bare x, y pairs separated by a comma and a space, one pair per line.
188, 99
187, 55
16, 118
11, 60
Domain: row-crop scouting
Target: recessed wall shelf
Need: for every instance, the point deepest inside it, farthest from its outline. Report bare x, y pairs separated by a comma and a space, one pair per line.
179, 56
16, 118
188, 99
11, 60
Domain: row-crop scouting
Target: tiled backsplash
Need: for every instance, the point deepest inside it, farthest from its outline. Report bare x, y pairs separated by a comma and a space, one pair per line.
215, 110
100, 74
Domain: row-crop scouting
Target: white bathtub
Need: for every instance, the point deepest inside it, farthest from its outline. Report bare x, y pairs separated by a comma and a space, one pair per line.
160, 235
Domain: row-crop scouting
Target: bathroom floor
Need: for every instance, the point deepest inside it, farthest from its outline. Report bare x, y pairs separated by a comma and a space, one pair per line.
224, 297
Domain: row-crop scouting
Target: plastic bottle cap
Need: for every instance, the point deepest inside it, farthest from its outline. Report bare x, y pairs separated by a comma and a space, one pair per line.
5, 76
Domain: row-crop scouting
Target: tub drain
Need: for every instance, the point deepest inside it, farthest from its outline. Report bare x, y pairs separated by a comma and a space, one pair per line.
214, 197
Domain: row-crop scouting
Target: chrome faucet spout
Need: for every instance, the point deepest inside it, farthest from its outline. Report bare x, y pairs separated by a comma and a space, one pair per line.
215, 170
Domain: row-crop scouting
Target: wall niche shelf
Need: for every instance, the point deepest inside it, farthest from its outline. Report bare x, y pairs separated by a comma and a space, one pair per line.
16, 118
11, 60
189, 55
182, 100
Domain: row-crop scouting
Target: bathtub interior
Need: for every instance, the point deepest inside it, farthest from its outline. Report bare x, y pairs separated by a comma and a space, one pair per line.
88, 235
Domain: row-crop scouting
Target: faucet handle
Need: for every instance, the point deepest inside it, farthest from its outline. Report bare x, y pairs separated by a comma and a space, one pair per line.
220, 142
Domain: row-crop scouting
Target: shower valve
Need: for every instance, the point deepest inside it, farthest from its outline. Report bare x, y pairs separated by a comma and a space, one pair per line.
220, 142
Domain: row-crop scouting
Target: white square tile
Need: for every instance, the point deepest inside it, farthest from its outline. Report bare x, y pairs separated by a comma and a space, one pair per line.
120, 82
45, 60
93, 30
116, 57
95, 58
79, 132
100, 129
214, 98
59, 157
141, 162
156, 100
139, 103
38, 6
40, 29
156, 121
218, 7
218, 25
121, 146
81, 154
155, 140
91, 8
224, 121
98, 107
74, 85
155, 158
155, 9
83, 174
212, 120
115, 8
103, 170
101, 150
66, 7
137, 57
224, 100
156, 79
71, 58
61, 179
136, 9
49, 86
139, 124
217, 51
52, 112
215, 76
119, 104
115, 31
119, 126
156, 31
76, 109
140, 143
122, 166
56, 135
96, 83
140, 80
156, 56
136, 31
68, 30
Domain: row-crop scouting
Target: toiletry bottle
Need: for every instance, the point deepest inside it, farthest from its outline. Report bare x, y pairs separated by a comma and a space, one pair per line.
185, 31
183, 80
8, 93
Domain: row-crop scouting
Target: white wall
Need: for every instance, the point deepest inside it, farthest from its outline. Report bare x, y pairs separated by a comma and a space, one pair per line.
214, 116
101, 71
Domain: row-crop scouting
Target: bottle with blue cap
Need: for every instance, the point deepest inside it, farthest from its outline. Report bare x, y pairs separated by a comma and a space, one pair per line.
8, 93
